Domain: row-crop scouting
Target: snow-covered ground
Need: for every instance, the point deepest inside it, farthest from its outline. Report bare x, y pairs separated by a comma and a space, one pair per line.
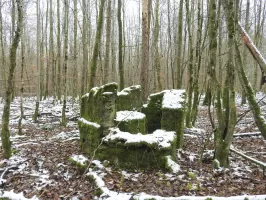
40, 167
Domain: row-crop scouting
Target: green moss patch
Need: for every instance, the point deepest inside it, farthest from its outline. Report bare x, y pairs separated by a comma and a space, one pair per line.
90, 135
129, 98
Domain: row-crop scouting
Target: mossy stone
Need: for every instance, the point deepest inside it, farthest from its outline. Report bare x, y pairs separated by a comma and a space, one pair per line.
133, 157
132, 125
173, 114
153, 111
129, 98
99, 105
90, 136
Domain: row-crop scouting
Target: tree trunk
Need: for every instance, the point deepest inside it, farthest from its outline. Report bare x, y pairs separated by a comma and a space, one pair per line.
96, 49
5, 134
85, 48
144, 74
120, 49
51, 49
190, 66
58, 84
195, 104
21, 80
108, 41
3, 60
156, 41
66, 11
75, 70
179, 46
35, 115
224, 137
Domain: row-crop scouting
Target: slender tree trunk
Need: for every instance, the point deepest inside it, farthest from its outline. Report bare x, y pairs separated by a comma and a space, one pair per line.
156, 41
85, 48
120, 49
66, 11
21, 80
13, 20
108, 41
243, 100
51, 48
46, 52
113, 48
195, 104
223, 136
3, 60
42, 63
35, 115
190, 66
96, 49
75, 70
58, 84
5, 134
144, 74
179, 46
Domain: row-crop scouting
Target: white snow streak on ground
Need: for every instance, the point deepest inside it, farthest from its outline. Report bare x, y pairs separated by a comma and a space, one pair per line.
111, 195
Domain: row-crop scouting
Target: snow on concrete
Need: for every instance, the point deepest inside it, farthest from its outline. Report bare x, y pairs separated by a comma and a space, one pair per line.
79, 159
175, 168
173, 99
129, 115
127, 90
160, 137
89, 123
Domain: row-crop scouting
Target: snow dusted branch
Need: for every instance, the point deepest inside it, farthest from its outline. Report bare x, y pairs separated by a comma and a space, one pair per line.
257, 162
252, 48
2, 180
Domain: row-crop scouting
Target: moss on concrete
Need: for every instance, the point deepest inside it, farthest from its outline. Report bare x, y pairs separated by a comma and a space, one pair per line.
153, 111
129, 124
90, 137
100, 105
173, 120
134, 157
129, 98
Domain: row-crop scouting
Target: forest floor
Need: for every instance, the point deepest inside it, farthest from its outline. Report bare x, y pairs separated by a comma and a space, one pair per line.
40, 167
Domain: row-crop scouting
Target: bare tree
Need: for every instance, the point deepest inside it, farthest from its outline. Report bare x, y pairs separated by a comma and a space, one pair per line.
144, 74
65, 28
120, 50
5, 135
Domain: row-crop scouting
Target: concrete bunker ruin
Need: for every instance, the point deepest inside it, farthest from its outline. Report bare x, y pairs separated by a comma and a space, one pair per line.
115, 126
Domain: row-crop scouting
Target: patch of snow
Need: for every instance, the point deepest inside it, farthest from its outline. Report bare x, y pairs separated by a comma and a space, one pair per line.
111, 195
89, 123
67, 135
129, 115
158, 93
192, 157
108, 93
79, 159
173, 99
127, 90
98, 164
14, 196
175, 168
160, 137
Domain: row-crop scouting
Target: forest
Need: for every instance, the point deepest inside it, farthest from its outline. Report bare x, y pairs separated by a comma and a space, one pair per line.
133, 99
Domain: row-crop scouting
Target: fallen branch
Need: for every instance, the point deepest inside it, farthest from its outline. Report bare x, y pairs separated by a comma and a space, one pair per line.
2, 180
247, 134
257, 162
